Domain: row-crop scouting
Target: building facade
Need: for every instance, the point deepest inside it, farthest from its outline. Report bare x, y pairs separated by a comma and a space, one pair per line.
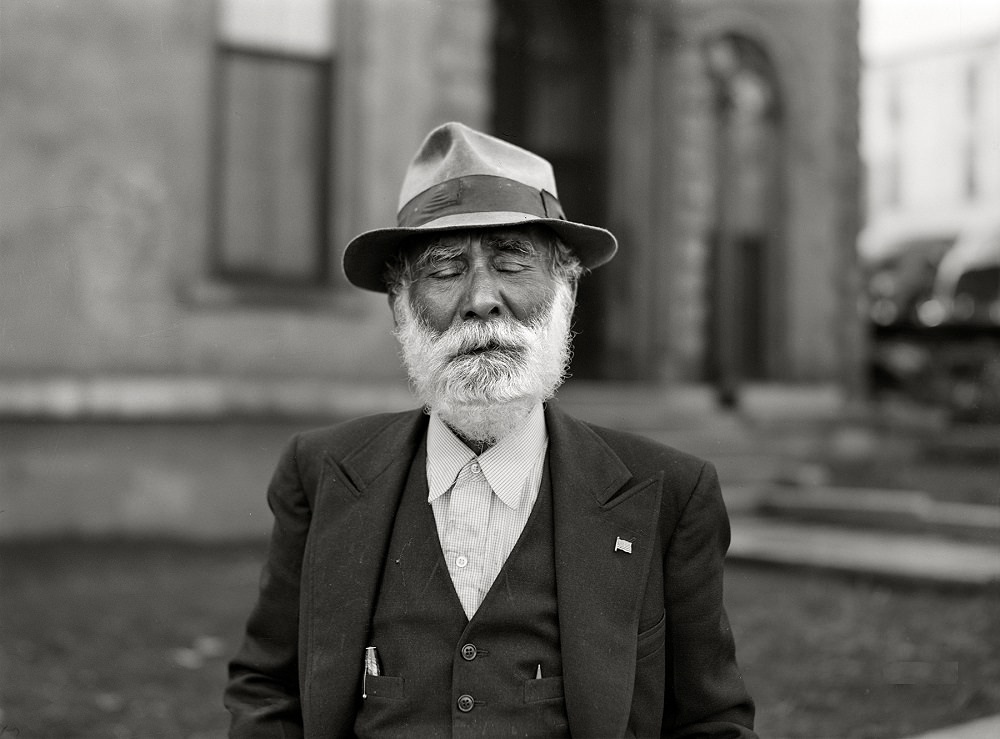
179, 179
932, 140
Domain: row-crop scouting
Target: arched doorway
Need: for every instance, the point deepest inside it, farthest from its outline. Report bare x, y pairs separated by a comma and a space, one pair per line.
746, 233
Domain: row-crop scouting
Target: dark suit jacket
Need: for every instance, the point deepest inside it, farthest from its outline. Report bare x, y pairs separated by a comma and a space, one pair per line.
646, 645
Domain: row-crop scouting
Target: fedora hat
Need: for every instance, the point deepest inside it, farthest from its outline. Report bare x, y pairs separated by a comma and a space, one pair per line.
460, 179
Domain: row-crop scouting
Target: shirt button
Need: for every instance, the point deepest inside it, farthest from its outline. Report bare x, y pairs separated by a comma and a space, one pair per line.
475, 468
469, 652
461, 560
465, 703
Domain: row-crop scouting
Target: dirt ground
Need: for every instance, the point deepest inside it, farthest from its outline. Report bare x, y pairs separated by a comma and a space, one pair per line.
130, 639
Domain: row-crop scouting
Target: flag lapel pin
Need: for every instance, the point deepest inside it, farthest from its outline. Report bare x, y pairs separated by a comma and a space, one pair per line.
623, 545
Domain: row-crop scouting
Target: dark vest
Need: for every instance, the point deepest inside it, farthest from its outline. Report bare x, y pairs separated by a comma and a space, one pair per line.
446, 676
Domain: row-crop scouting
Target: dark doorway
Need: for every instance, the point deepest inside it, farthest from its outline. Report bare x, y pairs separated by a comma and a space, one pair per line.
744, 284
550, 96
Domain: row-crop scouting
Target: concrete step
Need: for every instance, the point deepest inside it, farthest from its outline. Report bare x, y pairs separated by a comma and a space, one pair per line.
896, 556
984, 728
891, 510
638, 407
976, 443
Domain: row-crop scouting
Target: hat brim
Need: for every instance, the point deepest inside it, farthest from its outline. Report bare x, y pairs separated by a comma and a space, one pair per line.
367, 255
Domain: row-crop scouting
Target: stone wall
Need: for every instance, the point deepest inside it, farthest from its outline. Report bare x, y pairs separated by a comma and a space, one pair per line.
105, 178
813, 45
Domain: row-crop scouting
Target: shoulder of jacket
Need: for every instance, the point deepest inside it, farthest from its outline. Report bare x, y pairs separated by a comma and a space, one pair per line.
343, 439
644, 456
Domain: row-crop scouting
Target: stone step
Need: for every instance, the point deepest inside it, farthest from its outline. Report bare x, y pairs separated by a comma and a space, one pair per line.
975, 443
642, 407
895, 556
983, 728
892, 510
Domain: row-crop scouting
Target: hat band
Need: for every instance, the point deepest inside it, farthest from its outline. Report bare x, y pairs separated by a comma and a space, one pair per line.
479, 193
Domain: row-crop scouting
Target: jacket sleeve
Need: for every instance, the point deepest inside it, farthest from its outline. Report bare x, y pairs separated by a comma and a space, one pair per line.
263, 691
708, 696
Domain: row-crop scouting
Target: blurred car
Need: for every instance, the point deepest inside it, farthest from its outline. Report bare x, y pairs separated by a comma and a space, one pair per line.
934, 304
901, 278
967, 282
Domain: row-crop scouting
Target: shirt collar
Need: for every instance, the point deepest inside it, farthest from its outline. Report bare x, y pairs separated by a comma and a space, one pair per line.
505, 465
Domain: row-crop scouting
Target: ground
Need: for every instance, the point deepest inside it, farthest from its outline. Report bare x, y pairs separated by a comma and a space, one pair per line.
130, 639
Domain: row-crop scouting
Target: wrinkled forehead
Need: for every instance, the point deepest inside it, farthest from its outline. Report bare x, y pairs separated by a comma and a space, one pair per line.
530, 239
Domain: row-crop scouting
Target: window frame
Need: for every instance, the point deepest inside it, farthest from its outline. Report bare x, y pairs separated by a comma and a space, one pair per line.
260, 285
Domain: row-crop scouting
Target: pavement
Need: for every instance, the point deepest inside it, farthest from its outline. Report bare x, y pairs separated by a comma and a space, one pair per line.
984, 728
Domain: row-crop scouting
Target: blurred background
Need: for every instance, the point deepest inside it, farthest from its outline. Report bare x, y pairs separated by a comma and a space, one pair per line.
807, 198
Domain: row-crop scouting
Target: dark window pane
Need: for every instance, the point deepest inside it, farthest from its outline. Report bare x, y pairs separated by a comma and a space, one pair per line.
273, 152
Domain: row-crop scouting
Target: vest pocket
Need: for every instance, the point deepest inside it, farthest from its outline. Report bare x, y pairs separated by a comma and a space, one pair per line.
543, 689
385, 686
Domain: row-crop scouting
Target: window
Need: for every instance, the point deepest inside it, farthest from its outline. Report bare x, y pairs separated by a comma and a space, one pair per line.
971, 155
894, 175
274, 61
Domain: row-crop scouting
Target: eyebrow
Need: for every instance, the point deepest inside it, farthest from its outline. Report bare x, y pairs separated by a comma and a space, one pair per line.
438, 252
522, 246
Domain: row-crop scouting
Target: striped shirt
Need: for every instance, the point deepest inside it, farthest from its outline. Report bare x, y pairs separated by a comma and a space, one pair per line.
481, 504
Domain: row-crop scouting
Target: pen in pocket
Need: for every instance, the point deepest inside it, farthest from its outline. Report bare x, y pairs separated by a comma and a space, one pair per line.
371, 668
371, 662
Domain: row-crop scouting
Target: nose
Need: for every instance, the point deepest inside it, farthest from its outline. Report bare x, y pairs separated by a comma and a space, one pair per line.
482, 299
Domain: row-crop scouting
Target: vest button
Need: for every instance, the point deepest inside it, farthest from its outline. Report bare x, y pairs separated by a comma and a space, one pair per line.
469, 652
465, 703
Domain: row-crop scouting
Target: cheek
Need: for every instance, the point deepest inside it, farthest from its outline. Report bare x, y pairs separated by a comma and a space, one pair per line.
531, 300
435, 307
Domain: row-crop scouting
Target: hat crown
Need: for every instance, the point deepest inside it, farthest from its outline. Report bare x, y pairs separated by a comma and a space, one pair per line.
454, 150
463, 179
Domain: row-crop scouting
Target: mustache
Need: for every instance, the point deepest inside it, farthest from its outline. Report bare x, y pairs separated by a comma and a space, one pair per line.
505, 335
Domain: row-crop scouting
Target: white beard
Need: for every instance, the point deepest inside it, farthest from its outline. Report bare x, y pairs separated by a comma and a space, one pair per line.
486, 394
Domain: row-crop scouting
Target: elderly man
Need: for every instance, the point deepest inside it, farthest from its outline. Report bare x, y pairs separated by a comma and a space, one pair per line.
488, 566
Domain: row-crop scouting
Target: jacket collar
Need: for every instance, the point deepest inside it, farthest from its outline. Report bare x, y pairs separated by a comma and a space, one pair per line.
377, 458
581, 458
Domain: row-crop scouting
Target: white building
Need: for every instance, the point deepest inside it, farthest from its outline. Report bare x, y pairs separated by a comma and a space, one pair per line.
931, 140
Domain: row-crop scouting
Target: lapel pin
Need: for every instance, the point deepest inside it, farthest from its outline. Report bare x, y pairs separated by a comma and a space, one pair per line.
623, 545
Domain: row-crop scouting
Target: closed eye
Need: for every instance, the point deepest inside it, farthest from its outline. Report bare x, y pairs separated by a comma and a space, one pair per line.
510, 265
444, 266
443, 271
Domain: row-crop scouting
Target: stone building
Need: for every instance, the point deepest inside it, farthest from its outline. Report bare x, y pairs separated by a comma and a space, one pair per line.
932, 140
719, 140
179, 178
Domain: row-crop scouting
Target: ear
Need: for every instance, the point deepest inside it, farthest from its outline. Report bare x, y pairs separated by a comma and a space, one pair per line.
392, 296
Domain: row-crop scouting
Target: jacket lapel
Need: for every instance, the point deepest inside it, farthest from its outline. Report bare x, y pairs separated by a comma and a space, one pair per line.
349, 536
600, 512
